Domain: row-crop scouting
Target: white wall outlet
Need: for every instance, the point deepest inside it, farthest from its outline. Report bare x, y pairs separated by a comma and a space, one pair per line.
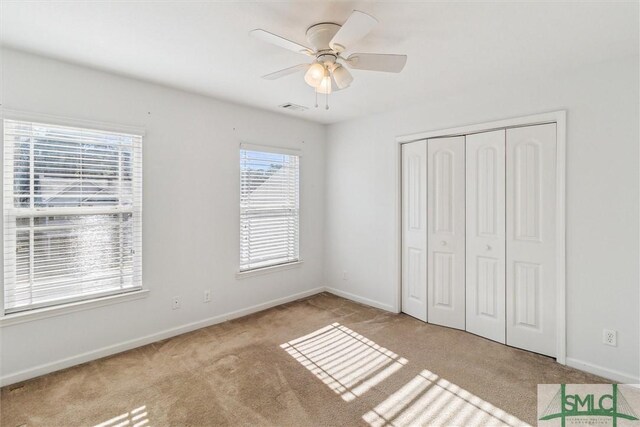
610, 337
175, 303
207, 296
345, 276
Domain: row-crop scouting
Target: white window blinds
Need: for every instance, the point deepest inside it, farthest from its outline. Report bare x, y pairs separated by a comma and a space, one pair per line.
72, 214
269, 208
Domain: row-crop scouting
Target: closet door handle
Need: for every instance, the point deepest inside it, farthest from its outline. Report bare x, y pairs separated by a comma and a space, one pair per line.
488, 247
443, 243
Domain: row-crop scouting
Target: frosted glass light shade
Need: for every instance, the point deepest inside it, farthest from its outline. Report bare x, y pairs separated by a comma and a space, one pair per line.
325, 84
314, 75
342, 77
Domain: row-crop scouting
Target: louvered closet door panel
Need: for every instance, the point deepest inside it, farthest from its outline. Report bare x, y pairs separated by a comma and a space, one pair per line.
414, 229
446, 237
531, 238
485, 244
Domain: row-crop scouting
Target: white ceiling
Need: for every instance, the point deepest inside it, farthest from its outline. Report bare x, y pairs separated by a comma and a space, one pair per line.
205, 47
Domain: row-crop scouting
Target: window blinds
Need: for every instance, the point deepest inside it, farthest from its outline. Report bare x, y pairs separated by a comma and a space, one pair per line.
72, 214
269, 208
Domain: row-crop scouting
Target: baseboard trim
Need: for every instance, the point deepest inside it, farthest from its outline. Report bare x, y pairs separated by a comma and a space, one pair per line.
362, 300
602, 371
148, 339
168, 333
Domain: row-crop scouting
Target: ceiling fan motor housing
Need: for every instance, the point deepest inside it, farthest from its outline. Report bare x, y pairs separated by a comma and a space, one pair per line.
320, 35
326, 58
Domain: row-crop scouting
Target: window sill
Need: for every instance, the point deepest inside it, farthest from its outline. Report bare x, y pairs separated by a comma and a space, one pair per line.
43, 313
266, 270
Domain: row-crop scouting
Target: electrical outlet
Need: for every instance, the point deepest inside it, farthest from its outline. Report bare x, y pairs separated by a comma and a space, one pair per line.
207, 296
175, 303
345, 276
610, 337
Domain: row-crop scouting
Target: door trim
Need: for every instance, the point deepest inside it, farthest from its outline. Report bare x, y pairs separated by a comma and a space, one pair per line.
560, 119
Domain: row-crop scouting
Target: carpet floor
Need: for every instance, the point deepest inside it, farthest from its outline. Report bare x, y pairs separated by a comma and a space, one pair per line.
321, 361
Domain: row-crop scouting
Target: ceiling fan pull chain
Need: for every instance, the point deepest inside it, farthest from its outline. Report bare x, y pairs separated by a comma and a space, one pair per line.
316, 91
326, 101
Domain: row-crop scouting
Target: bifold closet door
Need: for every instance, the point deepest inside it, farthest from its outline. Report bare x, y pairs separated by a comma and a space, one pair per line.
414, 229
485, 240
531, 238
446, 236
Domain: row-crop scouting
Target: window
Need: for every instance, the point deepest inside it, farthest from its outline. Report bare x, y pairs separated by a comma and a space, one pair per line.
72, 214
269, 207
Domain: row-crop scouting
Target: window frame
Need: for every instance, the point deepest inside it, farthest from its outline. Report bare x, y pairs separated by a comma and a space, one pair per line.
265, 269
9, 317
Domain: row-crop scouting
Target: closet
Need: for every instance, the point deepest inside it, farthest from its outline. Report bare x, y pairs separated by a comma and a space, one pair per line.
478, 234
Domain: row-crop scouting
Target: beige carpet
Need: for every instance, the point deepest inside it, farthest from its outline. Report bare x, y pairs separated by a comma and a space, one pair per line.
322, 361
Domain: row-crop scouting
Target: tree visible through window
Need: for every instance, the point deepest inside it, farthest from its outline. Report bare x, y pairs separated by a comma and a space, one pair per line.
269, 208
72, 210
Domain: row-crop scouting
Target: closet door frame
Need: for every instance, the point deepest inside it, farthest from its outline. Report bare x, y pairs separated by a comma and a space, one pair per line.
560, 119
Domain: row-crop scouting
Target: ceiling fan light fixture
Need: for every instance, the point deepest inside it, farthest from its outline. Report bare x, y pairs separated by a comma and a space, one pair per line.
328, 71
314, 75
342, 76
325, 84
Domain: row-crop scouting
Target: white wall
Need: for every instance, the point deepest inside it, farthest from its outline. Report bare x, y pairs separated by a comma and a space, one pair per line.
602, 199
190, 233
191, 208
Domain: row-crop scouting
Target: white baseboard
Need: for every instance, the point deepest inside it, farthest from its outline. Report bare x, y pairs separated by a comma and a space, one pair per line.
603, 372
574, 363
148, 339
168, 333
362, 300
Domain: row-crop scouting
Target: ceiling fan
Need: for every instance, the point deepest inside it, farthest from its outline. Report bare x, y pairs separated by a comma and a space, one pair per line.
327, 72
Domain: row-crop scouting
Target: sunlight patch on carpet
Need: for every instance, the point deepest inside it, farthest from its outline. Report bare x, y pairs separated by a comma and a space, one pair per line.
137, 417
344, 360
428, 400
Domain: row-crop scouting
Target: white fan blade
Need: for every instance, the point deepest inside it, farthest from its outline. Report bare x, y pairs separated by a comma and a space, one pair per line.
377, 62
357, 26
280, 41
286, 71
